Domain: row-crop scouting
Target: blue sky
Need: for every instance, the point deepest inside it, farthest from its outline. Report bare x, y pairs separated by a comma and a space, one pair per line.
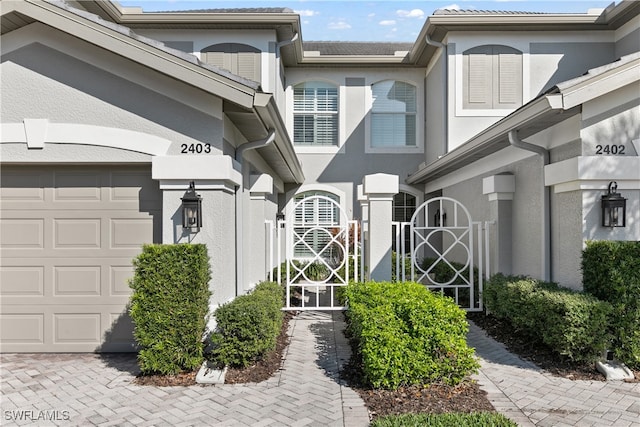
364, 20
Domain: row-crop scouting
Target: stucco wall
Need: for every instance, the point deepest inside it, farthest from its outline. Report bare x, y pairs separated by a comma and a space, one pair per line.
567, 238
435, 139
345, 168
41, 82
628, 38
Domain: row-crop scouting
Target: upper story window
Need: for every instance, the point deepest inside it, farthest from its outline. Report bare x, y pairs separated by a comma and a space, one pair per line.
393, 114
315, 114
492, 77
240, 59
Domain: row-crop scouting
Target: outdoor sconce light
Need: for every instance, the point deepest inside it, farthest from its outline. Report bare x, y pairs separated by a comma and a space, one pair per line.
614, 207
191, 208
440, 219
280, 219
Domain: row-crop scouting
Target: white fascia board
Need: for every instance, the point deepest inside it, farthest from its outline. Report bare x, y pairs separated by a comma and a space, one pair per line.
586, 89
590, 172
137, 51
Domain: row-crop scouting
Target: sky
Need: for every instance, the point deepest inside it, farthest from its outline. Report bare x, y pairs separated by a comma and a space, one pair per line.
364, 20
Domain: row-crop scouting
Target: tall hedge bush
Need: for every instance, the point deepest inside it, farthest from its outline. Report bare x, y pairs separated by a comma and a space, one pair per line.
572, 324
611, 272
169, 307
248, 326
407, 334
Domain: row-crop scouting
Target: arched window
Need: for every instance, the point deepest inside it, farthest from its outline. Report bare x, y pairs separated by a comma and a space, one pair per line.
404, 206
315, 114
240, 59
312, 211
492, 77
393, 114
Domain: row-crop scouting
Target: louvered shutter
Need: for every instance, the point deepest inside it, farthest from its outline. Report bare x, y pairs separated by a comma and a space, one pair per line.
477, 74
509, 80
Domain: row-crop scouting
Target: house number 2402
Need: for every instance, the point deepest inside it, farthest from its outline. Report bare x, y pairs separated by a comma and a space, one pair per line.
610, 149
195, 148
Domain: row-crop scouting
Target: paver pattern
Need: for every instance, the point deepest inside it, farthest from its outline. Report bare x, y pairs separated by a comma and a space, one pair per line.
89, 389
532, 397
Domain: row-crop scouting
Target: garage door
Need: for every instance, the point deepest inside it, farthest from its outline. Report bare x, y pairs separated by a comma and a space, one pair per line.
67, 238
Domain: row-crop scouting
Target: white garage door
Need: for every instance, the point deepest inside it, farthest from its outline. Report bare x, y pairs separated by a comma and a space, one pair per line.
67, 238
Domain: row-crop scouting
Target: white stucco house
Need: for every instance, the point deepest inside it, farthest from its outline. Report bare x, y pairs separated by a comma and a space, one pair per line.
109, 113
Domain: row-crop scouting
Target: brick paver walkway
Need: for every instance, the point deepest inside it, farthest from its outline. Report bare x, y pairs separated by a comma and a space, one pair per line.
529, 396
88, 389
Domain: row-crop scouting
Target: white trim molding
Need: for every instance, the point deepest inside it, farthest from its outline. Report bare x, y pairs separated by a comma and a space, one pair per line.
499, 187
36, 133
593, 173
173, 172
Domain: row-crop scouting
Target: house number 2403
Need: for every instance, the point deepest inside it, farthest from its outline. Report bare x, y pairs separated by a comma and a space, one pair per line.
195, 148
610, 149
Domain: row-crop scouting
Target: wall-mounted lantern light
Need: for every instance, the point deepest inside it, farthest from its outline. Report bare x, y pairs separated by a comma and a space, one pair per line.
614, 208
440, 219
191, 208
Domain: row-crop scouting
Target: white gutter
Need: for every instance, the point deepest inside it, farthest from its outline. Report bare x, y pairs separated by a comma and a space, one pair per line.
445, 55
514, 141
240, 151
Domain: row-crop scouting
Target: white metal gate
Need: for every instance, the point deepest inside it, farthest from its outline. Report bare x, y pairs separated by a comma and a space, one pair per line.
321, 253
446, 251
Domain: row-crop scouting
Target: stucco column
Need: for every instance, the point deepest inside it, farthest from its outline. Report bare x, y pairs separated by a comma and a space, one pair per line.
500, 189
379, 190
216, 179
364, 236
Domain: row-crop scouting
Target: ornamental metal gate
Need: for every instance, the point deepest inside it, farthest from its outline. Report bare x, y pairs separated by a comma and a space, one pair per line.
446, 251
321, 254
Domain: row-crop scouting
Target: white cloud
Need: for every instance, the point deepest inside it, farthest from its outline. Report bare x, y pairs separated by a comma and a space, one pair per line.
306, 12
414, 13
338, 25
387, 22
371, 15
451, 7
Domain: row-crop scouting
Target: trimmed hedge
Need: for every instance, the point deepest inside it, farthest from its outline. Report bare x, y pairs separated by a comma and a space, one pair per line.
408, 335
169, 307
572, 324
611, 272
248, 326
454, 419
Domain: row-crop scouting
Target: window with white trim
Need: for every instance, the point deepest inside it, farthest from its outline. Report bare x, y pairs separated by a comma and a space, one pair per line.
492, 77
393, 114
313, 212
404, 206
315, 114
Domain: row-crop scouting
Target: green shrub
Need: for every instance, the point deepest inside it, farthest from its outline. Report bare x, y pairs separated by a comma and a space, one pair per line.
248, 326
611, 272
453, 273
406, 334
169, 307
572, 324
476, 419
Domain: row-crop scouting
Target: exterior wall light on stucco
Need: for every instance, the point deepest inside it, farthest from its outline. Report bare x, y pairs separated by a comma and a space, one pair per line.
614, 207
191, 209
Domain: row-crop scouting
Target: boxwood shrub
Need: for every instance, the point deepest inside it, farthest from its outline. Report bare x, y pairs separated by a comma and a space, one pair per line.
248, 326
611, 272
451, 419
572, 324
169, 307
406, 334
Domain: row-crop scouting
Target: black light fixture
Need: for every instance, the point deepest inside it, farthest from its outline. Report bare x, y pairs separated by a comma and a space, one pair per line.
614, 207
191, 208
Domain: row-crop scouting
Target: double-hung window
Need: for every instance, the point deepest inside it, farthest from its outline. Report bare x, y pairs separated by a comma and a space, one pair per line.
393, 114
315, 114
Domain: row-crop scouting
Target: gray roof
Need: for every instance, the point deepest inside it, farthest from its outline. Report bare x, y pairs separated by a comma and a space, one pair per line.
155, 43
356, 48
232, 10
483, 12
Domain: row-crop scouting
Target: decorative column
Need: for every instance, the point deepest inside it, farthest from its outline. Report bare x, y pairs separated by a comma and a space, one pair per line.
379, 190
364, 233
500, 189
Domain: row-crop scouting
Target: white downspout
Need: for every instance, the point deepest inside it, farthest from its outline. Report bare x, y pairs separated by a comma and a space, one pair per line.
445, 143
546, 202
240, 152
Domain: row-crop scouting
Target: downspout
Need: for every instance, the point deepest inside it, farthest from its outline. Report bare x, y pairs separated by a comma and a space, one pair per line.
240, 152
279, 46
546, 202
445, 125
